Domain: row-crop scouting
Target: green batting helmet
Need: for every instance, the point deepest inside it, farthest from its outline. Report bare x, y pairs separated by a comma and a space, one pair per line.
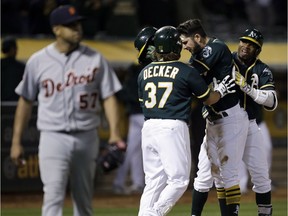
142, 40
254, 36
167, 40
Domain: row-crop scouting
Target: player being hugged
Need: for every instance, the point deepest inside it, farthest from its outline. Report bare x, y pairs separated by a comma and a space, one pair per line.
227, 123
165, 88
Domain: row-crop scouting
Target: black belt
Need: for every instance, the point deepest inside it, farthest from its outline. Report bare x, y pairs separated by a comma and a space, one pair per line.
215, 116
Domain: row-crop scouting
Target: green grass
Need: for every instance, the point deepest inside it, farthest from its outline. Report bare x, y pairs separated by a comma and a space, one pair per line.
211, 209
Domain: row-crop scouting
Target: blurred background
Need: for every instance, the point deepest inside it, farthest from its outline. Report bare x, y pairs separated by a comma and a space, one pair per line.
123, 18
111, 28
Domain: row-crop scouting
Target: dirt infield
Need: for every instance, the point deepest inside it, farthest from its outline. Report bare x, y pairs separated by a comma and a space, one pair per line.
110, 200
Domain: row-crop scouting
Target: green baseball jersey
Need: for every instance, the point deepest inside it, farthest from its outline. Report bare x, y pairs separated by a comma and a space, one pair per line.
259, 76
215, 60
165, 90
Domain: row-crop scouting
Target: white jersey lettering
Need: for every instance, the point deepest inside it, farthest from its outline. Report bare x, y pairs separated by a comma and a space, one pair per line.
160, 71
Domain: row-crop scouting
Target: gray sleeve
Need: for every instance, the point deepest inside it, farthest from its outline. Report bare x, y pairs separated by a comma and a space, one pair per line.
110, 83
28, 87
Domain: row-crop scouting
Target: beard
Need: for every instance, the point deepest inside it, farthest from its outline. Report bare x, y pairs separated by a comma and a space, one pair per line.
197, 48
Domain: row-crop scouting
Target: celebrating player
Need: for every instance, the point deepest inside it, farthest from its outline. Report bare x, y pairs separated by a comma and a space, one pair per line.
68, 79
256, 83
165, 88
256, 90
129, 95
227, 123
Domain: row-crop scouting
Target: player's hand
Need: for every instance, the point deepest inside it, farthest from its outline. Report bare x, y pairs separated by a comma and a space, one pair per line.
241, 82
113, 156
120, 144
16, 154
151, 53
225, 86
204, 112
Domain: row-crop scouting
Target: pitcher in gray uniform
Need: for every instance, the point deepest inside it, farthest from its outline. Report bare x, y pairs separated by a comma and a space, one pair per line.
69, 80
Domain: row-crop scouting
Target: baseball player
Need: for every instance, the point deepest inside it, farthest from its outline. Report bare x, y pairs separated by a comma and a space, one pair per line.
267, 145
68, 79
227, 123
256, 90
129, 94
165, 88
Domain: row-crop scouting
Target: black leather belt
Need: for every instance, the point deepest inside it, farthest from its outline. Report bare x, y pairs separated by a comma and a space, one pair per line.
213, 117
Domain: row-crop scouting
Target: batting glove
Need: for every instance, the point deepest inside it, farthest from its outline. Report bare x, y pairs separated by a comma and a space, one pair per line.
241, 82
151, 53
204, 112
225, 86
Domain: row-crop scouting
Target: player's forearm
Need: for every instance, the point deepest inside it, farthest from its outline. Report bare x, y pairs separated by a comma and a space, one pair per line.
22, 117
213, 98
111, 108
266, 98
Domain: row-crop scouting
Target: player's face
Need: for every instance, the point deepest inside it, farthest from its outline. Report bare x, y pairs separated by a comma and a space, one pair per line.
247, 50
190, 44
71, 33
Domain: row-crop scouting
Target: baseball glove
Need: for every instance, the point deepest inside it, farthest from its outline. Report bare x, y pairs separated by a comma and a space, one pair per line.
111, 158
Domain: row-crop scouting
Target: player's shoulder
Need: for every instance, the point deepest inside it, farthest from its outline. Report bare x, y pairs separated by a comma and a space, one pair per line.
216, 43
40, 55
261, 67
215, 47
91, 52
260, 63
87, 49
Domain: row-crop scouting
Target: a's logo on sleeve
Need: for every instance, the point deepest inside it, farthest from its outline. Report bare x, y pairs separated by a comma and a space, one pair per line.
207, 51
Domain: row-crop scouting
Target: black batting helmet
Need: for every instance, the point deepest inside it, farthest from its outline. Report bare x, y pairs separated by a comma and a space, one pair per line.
167, 40
143, 40
254, 36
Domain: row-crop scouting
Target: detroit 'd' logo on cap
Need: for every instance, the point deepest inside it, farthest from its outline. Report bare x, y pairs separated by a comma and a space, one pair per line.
72, 11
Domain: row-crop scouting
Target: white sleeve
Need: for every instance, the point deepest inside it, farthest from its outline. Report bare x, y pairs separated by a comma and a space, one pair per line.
267, 98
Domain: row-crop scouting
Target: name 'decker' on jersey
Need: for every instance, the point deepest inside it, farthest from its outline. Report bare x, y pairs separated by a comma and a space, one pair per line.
160, 71
72, 80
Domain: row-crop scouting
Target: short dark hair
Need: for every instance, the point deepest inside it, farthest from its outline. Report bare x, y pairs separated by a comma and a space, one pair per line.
8, 43
168, 56
191, 27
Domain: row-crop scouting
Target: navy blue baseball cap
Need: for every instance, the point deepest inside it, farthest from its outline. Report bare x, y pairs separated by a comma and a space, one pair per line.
64, 14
